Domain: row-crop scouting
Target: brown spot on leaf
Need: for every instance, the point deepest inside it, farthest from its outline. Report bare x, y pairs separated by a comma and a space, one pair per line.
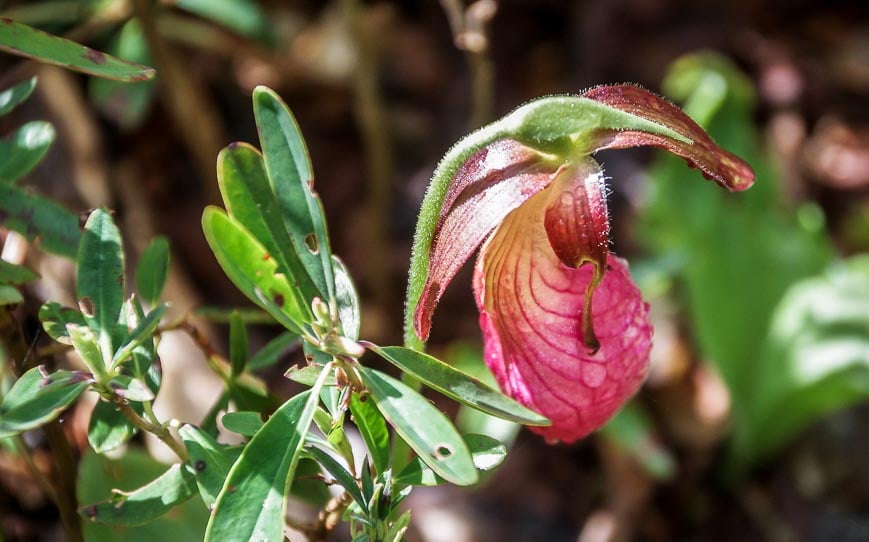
279, 300
86, 306
199, 466
97, 57
91, 512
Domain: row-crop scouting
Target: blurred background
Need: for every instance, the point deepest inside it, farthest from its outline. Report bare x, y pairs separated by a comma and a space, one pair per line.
754, 423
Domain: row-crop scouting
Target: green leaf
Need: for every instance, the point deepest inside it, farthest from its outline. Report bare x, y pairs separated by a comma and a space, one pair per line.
100, 277
152, 270
307, 484
125, 103
36, 398
11, 273
269, 354
486, 452
86, 345
250, 505
237, 344
457, 385
816, 360
242, 16
210, 460
143, 332
99, 475
422, 426
290, 174
308, 374
35, 217
340, 473
249, 199
373, 429
108, 428
253, 271
55, 318
14, 96
348, 300
22, 40
244, 422
9, 295
146, 503
131, 389
221, 315
21, 151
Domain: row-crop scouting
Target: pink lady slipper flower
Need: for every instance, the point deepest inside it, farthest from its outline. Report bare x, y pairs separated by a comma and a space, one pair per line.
566, 331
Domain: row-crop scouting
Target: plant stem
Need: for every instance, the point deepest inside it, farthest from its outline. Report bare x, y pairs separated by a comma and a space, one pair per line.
158, 430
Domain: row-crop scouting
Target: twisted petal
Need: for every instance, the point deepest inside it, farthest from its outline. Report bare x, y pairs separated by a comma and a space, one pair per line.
493, 182
531, 311
727, 169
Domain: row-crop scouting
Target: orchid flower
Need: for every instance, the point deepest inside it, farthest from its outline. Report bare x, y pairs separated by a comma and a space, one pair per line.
565, 329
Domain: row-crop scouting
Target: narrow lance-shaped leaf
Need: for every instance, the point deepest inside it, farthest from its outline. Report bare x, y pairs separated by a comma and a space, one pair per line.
153, 269
210, 460
39, 219
269, 354
37, 398
14, 96
147, 503
436, 441
486, 452
20, 39
347, 299
292, 179
100, 277
248, 196
251, 504
253, 271
143, 332
341, 475
373, 429
24, 149
457, 385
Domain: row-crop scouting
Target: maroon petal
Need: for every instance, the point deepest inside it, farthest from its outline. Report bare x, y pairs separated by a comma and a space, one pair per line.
577, 227
493, 182
531, 312
727, 169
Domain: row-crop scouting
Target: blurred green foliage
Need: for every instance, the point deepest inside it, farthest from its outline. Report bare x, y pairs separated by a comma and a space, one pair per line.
737, 260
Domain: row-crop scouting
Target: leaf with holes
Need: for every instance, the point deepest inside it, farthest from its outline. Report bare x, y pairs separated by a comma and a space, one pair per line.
146, 503
436, 441
209, 459
251, 504
153, 269
253, 271
23, 149
22, 40
457, 385
36, 399
100, 275
486, 452
289, 170
248, 196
